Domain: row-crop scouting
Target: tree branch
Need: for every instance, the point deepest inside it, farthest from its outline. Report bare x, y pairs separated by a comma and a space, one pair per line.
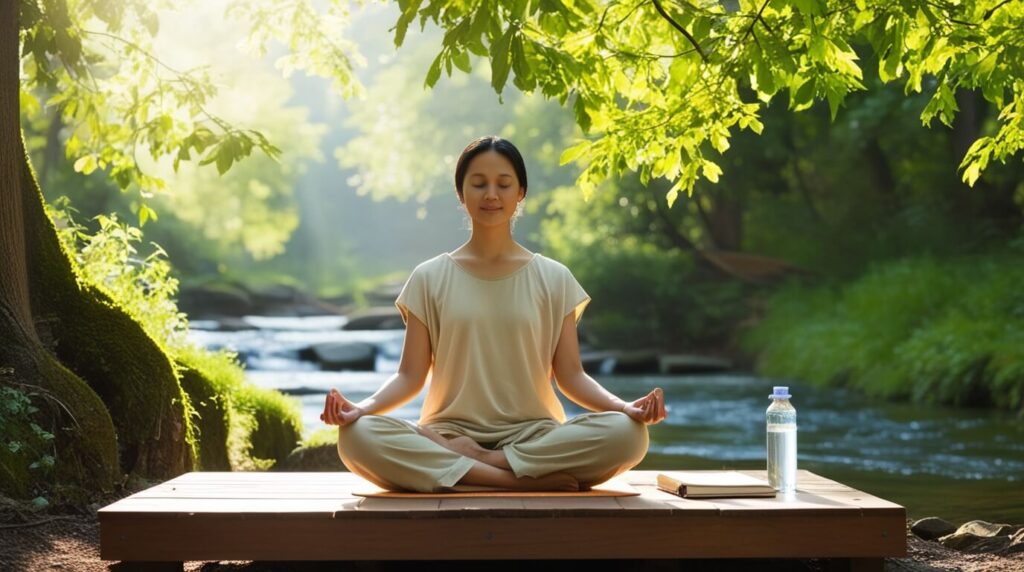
681, 29
992, 10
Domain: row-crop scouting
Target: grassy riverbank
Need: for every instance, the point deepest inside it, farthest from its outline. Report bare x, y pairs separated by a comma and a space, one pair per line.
933, 330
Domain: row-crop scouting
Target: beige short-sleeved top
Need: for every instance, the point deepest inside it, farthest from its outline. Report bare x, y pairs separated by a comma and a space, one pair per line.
492, 340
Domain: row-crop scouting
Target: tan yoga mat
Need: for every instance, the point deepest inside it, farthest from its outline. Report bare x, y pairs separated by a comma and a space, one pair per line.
610, 488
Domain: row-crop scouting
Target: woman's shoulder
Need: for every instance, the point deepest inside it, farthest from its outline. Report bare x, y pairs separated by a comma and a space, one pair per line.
430, 264
550, 264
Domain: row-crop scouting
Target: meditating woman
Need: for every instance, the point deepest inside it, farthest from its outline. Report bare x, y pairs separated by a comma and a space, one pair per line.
488, 324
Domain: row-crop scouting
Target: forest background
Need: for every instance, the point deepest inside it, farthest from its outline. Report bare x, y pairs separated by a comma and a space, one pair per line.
831, 190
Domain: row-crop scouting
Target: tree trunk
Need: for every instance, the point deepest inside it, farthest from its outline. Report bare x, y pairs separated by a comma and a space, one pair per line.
726, 220
70, 338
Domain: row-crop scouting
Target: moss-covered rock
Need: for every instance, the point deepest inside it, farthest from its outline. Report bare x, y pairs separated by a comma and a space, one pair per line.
211, 419
276, 422
313, 458
98, 340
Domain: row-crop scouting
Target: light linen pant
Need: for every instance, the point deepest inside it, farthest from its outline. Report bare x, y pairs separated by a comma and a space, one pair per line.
392, 454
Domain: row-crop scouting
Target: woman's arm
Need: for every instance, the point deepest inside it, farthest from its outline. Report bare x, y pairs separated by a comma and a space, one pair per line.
572, 380
397, 390
413, 368
587, 393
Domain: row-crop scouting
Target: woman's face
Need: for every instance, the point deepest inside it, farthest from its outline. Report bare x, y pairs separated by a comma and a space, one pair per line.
491, 191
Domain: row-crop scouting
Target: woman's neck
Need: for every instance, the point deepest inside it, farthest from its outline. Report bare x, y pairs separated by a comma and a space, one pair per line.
491, 243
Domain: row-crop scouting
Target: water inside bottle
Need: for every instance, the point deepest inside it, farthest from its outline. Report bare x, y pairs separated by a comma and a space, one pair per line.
782, 456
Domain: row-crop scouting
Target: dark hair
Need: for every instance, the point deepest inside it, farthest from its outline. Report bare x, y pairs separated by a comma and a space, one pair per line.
490, 143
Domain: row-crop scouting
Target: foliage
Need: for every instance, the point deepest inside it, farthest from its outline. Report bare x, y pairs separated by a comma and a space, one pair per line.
644, 295
95, 62
936, 330
23, 443
663, 87
263, 425
258, 421
322, 436
110, 258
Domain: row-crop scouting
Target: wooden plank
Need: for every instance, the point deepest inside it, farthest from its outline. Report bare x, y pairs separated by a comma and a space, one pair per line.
299, 516
569, 504
217, 477
185, 506
246, 491
398, 506
867, 503
677, 504
483, 503
799, 503
204, 537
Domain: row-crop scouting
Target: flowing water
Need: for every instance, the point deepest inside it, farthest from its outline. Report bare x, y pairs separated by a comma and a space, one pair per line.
959, 464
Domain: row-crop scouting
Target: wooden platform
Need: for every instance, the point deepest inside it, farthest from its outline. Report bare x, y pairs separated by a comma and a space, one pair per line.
314, 516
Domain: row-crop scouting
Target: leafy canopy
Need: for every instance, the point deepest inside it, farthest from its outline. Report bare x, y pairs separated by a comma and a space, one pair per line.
127, 110
661, 86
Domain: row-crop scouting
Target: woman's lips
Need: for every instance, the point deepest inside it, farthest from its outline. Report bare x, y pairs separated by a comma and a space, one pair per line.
494, 209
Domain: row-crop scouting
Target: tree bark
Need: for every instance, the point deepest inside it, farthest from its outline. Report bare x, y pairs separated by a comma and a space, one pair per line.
120, 402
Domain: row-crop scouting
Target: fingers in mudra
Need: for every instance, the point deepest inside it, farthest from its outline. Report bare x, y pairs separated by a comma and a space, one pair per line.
336, 409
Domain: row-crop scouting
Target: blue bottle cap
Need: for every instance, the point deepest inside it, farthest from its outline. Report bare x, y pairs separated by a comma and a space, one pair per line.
780, 392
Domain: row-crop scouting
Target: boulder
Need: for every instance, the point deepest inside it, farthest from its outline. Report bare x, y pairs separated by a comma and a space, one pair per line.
636, 361
594, 361
233, 325
338, 356
967, 542
932, 527
983, 528
690, 363
215, 299
315, 458
1016, 542
376, 318
385, 294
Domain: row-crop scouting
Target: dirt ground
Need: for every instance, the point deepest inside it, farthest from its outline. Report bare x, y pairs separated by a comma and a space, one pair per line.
68, 539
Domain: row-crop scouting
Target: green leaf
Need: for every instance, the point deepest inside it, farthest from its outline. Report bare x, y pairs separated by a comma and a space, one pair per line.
815, 7
835, 93
434, 73
500, 60
765, 80
409, 9
579, 108
574, 152
711, 170
971, 174
461, 60
85, 164
524, 75
804, 94
145, 213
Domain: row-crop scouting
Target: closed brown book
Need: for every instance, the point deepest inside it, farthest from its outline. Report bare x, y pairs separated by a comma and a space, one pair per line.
711, 484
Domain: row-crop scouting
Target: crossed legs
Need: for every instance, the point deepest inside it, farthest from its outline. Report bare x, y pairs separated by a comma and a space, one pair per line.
584, 451
492, 467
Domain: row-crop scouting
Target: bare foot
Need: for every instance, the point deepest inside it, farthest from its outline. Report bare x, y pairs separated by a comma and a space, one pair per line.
466, 446
559, 481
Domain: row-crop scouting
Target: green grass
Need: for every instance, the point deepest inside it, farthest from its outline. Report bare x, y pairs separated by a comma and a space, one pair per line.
931, 330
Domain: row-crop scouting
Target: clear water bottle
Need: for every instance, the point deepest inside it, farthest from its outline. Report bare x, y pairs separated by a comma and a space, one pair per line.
781, 441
